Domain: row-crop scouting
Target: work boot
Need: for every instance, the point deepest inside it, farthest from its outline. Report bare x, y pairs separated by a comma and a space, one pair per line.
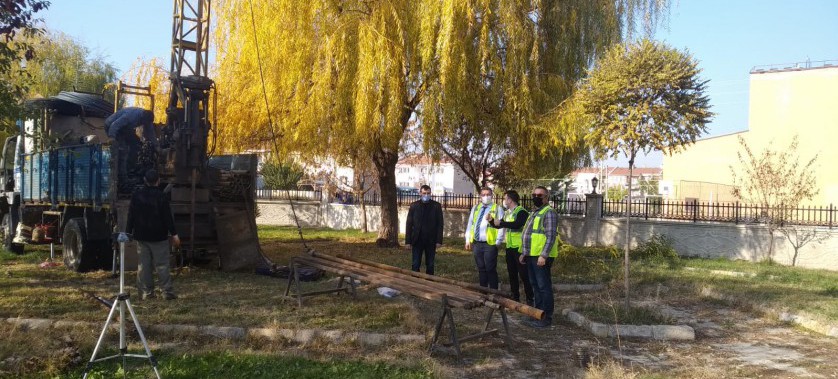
169, 296
147, 296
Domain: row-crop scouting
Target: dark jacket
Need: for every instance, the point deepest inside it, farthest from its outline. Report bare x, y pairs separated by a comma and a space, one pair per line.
518, 224
424, 223
150, 215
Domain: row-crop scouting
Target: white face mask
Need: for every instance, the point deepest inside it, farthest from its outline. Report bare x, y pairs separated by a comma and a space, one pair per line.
486, 200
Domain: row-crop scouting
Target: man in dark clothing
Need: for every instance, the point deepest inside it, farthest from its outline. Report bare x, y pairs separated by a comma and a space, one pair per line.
514, 219
151, 223
423, 233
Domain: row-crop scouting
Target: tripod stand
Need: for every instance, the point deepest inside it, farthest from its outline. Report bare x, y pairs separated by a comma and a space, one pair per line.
122, 303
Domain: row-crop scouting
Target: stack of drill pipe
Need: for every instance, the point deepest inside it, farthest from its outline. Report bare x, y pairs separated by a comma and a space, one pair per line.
425, 286
232, 185
415, 289
489, 294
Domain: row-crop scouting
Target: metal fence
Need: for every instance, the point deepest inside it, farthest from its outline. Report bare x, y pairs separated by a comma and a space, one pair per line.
649, 208
738, 213
448, 201
266, 194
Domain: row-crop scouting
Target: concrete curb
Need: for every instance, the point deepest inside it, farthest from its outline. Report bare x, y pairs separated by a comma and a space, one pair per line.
302, 336
802, 319
737, 274
656, 332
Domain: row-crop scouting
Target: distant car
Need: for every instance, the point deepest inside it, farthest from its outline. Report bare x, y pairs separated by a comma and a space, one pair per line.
407, 191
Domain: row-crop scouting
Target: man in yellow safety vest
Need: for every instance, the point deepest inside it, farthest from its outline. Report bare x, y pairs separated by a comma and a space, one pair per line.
514, 219
482, 240
539, 247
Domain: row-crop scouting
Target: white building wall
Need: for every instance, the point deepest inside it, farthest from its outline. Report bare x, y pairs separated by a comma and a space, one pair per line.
442, 178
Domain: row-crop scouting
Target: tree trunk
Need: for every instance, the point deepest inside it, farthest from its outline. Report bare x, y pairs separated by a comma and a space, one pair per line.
628, 232
358, 184
385, 166
364, 228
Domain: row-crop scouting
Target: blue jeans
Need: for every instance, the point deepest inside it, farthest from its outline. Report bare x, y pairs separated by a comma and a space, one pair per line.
429, 250
486, 258
542, 285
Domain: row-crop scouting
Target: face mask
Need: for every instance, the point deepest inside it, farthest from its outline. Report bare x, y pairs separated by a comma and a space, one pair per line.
538, 201
486, 200
426, 198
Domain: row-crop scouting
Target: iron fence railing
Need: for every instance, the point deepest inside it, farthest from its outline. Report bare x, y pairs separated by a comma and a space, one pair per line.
739, 213
268, 194
648, 208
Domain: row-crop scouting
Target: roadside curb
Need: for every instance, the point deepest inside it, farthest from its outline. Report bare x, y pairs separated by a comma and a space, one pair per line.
656, 332
802, 319
303, 336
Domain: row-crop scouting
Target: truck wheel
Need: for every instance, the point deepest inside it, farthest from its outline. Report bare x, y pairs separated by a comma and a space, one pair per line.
7, 234
80, 255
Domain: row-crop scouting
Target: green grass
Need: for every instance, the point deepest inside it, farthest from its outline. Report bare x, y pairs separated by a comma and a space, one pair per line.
619, 315
238, 365
290, 234
771, 285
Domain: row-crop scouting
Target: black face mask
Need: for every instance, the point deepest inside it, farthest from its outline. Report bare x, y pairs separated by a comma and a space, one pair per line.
538, 201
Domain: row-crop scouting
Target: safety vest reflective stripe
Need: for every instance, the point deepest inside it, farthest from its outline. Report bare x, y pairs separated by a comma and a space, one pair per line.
538, 239
491, 233
513, 236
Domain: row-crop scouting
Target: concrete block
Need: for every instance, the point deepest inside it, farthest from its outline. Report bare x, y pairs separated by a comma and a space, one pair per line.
673, 332
576, 318
74, 324
305, 335
598, 329
224, 331
632, 331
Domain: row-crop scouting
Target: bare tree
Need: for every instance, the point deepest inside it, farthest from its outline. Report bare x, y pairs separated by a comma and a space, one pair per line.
799, 236
777, 182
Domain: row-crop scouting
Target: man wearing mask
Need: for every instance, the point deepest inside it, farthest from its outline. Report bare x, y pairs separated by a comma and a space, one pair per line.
539, 247
513, 222
423, 232
482, 240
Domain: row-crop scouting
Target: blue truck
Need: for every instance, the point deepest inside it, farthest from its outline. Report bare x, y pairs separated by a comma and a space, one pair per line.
63, 185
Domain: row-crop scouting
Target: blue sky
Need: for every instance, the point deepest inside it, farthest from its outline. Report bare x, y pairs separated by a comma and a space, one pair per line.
728, 37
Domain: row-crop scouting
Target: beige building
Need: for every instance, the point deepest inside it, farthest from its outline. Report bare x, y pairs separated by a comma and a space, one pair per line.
788, 100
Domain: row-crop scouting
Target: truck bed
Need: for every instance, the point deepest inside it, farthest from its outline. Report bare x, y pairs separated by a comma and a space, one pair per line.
67, 175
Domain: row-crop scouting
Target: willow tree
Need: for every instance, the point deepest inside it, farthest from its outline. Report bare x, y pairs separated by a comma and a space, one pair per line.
640, 97
150, 73
351, 75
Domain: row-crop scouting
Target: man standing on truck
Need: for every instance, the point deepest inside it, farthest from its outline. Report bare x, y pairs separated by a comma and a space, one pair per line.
151, 222
121, 127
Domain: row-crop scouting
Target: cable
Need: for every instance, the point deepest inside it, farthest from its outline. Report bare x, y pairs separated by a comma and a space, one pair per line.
270, 120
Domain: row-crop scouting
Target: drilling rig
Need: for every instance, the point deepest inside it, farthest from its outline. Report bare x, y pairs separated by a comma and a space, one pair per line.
63, 184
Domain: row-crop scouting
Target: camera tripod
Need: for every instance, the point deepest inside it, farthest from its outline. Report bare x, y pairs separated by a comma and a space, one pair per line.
122, 304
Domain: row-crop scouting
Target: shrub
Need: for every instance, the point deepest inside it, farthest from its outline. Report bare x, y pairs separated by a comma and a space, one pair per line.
587, 264
657, 250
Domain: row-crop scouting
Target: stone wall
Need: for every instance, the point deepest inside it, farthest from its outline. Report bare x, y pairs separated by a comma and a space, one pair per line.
701, 239
339, 216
